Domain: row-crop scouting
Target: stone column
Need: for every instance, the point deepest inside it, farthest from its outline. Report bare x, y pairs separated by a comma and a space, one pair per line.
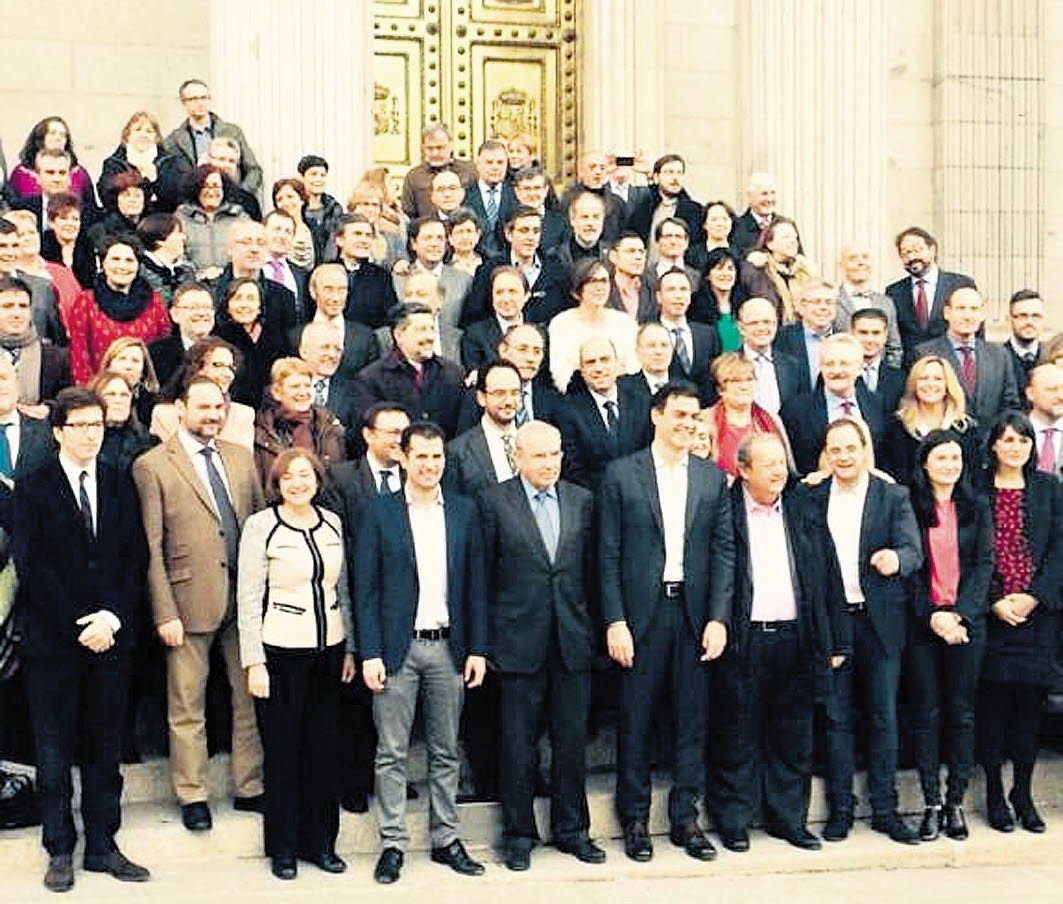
297, 78
623, 80
813, 112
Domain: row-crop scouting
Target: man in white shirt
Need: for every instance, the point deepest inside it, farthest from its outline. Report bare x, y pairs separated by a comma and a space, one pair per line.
1044, 392
778, 375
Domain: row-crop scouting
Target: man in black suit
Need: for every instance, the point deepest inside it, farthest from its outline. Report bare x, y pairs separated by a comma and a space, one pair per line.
592, 177
653, 345
25, 442
1026, 311
320, 347
531, 188
602, 420
802, 339
985, 373
370, 293
920, 297
749, 228
629, 291
412, 375
508, 289
246, 247
538, 534
877, 546
280, 239
666, 605
666, 198
491, 197
885, 383
696, 345
192, 313
778, 375
586, 212
77, 618
484, 455
43, 368
781, 635
840, 393
351, 485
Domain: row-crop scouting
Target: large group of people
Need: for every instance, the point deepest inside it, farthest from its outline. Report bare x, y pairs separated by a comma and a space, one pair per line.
520, 457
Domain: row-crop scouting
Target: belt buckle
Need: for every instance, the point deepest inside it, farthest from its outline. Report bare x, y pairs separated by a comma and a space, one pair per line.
672, 589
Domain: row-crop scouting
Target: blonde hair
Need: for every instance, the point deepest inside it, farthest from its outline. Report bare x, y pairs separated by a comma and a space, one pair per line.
148, 380
955, 415
141, 116
730, 365
285, 367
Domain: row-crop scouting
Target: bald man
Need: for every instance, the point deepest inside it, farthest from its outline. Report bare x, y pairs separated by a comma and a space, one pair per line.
761, 193
856, 292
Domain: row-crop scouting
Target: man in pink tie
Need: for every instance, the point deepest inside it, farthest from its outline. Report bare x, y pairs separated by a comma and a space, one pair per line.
1044, 392
280, 238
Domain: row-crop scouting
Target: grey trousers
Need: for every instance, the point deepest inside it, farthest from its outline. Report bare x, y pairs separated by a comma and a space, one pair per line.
428, 672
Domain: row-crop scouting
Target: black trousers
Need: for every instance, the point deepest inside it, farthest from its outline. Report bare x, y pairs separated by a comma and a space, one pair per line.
668, 667
357, 737
764, 734
78, 704
563, 697
1009, 719
942, 686
479, 734
299, 740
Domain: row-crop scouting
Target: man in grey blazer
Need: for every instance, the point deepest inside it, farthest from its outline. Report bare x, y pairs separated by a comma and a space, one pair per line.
428, 247
856, 293
985, 372
424, 288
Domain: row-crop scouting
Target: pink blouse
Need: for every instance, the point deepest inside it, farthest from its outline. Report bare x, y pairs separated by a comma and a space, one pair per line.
943, 551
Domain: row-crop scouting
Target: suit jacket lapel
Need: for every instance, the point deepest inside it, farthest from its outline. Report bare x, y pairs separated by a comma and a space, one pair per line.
184, 467
694, 489
525, 517
872, 509
652, 492
478, 447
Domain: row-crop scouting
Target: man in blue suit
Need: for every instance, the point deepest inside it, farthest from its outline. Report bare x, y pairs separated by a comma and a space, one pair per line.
422, 631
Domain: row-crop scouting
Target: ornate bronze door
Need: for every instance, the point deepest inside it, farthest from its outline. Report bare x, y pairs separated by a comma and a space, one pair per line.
487, 68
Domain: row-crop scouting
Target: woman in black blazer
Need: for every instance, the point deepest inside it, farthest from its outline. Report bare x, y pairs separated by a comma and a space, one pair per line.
1021, 631
946, 636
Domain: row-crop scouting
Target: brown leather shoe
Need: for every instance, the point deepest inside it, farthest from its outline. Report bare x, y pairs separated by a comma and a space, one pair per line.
118, 865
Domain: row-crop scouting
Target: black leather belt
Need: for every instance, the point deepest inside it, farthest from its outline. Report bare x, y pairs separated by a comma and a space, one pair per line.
772, 627
672, 589
856, 608
432, 634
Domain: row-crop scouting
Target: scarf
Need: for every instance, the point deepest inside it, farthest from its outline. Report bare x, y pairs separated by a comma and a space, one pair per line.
295, 425
119, 306
25, 353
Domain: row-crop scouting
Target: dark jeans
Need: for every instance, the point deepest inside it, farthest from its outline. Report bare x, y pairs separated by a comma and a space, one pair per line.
1009, 719
565, 696
299, 739
667, 665
870, 671
942, 685
78, 704
764, 733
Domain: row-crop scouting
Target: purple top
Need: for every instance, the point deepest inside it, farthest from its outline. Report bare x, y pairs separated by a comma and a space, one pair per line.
23, 182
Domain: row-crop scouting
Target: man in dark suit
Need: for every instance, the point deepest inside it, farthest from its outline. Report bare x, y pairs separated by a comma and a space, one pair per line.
43, 367
839, 393
778, 375
280, 239
920, 297
781, 635
538, 533
531, 188
876, 546
586, 213
749, 228
802, 339
653, 345
351, 486
667, 607
985, 373
421, 617
884, 382
667, 196
592, 177
77, 618
246, 247
44, 309
370, 294
320, 347
1044, 395
696, 345
25, 442
629, 290
412, 375
1026, 311
490, 197
602, 420
192, 313
427, 244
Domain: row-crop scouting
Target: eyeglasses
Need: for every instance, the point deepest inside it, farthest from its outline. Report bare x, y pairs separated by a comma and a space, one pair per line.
503, 393
188, 99
83, 426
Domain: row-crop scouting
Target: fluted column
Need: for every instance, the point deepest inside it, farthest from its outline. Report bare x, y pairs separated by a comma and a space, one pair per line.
623, 79
297, 77
813, 111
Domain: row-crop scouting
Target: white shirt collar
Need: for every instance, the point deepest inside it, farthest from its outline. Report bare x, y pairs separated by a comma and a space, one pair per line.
73, 470
600, 399
438, 500
659, 464
192, 445
857, 489
490, 427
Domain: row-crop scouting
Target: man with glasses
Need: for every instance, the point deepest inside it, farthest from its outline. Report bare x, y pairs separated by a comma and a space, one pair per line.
437, 151
630, 292
247, 248
190, 141
532, 189
192, 312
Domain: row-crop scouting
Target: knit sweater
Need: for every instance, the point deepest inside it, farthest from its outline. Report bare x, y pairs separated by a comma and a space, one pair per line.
92, 331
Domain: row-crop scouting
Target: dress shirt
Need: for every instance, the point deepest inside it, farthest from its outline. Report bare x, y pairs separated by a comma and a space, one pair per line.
600, 401
527, 403
766, 392
665, 264
672, 493
1031, 351
489, 191
835, 403
773, 587
506, 325
861, 298
654, 381
428, 525
684, 329
531, 271
201, 139
319, 386
277, 270
496, 446
930, 286
549, 507
845, 515
628, 288
376, 466
621, 190
1039, 429
193, 447
14, 427
813, 341
958, 343
870, 373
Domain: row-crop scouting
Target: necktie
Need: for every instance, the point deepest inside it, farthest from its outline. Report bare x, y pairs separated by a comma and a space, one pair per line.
967, 368
922, 313
508, 446
612, 418
385, 488
681, 350
1046, 459
870, 377
6, 465
524, 412
85, 505
547, 530
491, 209
847, 408
319, 392
226, 512
277, 274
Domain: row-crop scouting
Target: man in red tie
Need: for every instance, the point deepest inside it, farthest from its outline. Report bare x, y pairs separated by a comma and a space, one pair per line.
1044, 392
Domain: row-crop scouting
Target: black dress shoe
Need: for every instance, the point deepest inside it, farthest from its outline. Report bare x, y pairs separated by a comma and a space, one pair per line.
329, 862
737, 841
895, 827
457, 858
798, 836
256, 804
998, 815
411, 793
516, 855
583, 849
388, 866
637, 844
60, 873
691, 839
283, 867
355, 802
196, 817
838, 827
930, 827
1027, 814
955, 823
116, 864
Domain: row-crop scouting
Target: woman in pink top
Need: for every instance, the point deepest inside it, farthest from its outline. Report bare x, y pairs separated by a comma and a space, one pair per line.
947, 631
52, 134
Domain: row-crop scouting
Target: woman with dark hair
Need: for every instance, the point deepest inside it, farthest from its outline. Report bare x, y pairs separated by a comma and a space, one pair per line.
777, 270
123, 200
389, 245
206, 217
124, 436
120, 303
1024, 597
716, 221
946, 635
65, 244
139, 151
289, 196
243, 324
163, 263
716, 301
51, 134
463, 235
128, 357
